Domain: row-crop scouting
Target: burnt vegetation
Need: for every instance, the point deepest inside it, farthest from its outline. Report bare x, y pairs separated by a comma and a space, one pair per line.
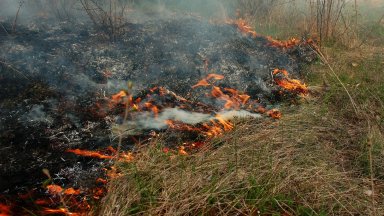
177, 107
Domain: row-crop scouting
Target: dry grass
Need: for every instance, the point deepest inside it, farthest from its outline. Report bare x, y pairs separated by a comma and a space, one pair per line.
300, 165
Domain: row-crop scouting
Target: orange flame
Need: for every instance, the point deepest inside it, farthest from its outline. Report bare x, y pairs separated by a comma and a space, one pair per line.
181, 126
54, 189
243, 27
283, 44
274, 113
215, 76
182, 150
5, 210
204, 82
289, 84
88, 153
227, 125
60, 211
119, 96
96, 154
101, 180
71, 191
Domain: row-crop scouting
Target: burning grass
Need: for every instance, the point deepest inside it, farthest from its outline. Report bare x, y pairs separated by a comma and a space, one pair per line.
320, 158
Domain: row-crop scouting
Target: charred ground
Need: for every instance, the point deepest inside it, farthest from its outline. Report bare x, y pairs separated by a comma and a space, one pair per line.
53, 74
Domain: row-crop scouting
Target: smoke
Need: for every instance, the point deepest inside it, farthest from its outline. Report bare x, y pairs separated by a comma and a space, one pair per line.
147, 121
36, 115
59, 10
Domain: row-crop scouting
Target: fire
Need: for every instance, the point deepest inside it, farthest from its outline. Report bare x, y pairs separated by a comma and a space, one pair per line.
182, 150
119, 96
60, 211
181, 126
88, 153
283, 44
101, 180
227, 125
274, 113
5, 210
215, 76
54, 189
281, 77
97, 154
202, 82
246, 29
243, 27
71, 191
151, 107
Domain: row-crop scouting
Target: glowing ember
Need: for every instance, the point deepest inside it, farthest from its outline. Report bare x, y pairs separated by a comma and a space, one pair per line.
281, 77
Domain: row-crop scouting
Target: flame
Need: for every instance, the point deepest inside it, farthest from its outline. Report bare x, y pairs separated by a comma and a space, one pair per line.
151, 107
274, 113
233, 100
101, 180
98, 193
215, 76
226, 124
181, 126
5, 210
60, 211
71, 191
202, 82
289, 84
42, 202
124, 156
119, 96
88, 153
243, 27
54, 189
283, 44
182, 150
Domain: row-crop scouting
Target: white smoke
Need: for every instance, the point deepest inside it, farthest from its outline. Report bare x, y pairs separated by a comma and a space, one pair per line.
148, 121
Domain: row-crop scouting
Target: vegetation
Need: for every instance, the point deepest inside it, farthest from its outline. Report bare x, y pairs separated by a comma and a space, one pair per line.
324, 157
